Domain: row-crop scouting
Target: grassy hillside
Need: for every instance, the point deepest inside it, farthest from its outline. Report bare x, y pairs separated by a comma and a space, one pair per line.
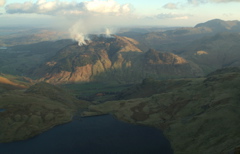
197, 115
215, 52
39, 108
21, 59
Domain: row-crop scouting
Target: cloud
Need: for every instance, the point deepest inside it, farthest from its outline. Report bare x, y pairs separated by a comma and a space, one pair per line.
2, 3
170, 6
172, 16
86, 17
224, 1
104, 24
57, 7
109, 6
198, 2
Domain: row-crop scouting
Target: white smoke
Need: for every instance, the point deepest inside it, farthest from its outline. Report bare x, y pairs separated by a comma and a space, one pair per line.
86, 17
108, 32
80, 38
81, 30
2, 2
97, 25
78, 33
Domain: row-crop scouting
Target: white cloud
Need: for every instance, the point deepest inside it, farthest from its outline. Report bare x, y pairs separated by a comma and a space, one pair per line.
2, 3
85, 17
197, 2
170, 6
109, 6
224, 1
172, 16
57, 7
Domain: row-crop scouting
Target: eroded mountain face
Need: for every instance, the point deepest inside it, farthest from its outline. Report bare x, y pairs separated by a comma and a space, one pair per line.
117, 58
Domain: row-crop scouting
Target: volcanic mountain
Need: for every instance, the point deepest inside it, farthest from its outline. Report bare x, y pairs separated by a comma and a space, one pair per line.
112, 59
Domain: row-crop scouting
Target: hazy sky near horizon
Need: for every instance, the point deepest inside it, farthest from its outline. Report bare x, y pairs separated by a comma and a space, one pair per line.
115, 12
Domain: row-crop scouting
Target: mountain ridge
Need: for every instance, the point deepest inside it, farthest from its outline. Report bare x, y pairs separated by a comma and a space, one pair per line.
111, 59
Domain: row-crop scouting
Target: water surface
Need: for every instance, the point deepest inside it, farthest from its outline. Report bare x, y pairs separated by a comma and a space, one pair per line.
93, 135
1, 110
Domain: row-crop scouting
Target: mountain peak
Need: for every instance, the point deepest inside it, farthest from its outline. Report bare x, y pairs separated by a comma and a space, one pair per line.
155, 57
220, 25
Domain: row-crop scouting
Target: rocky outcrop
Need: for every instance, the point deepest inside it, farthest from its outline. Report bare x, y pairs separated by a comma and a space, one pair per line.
117, 59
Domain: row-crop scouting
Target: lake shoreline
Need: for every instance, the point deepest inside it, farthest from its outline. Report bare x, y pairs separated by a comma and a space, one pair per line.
105, 133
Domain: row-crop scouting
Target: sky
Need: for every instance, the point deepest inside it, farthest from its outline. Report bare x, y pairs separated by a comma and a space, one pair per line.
139, 12
89, 16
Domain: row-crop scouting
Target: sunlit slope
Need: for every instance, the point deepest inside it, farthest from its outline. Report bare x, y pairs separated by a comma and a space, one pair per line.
112, 59
10, 82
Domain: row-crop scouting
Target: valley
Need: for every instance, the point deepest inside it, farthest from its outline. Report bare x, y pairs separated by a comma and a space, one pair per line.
182, 81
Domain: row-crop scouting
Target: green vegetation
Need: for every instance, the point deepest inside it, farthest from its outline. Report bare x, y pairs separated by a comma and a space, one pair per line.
197, 115
222, 50
23, 59
95, 91
39, 108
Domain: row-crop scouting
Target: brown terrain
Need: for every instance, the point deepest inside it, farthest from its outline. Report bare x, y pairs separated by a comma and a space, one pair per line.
117, 58
197, 115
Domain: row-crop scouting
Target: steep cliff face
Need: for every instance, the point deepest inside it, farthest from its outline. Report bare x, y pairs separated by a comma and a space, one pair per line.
116, 58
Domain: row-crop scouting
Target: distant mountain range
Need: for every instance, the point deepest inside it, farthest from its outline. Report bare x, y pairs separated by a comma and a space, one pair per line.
198, 113
183, 52
214, 52
171, 40
218, 25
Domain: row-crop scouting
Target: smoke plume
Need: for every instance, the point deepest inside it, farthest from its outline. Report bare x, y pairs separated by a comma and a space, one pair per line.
81, 30
2, 2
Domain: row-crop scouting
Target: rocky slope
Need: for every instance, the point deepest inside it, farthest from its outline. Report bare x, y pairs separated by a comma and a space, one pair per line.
112, 59
39, 108
197, 115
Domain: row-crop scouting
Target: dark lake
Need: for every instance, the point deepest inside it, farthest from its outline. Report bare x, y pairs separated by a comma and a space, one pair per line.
1, 110
93, 135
